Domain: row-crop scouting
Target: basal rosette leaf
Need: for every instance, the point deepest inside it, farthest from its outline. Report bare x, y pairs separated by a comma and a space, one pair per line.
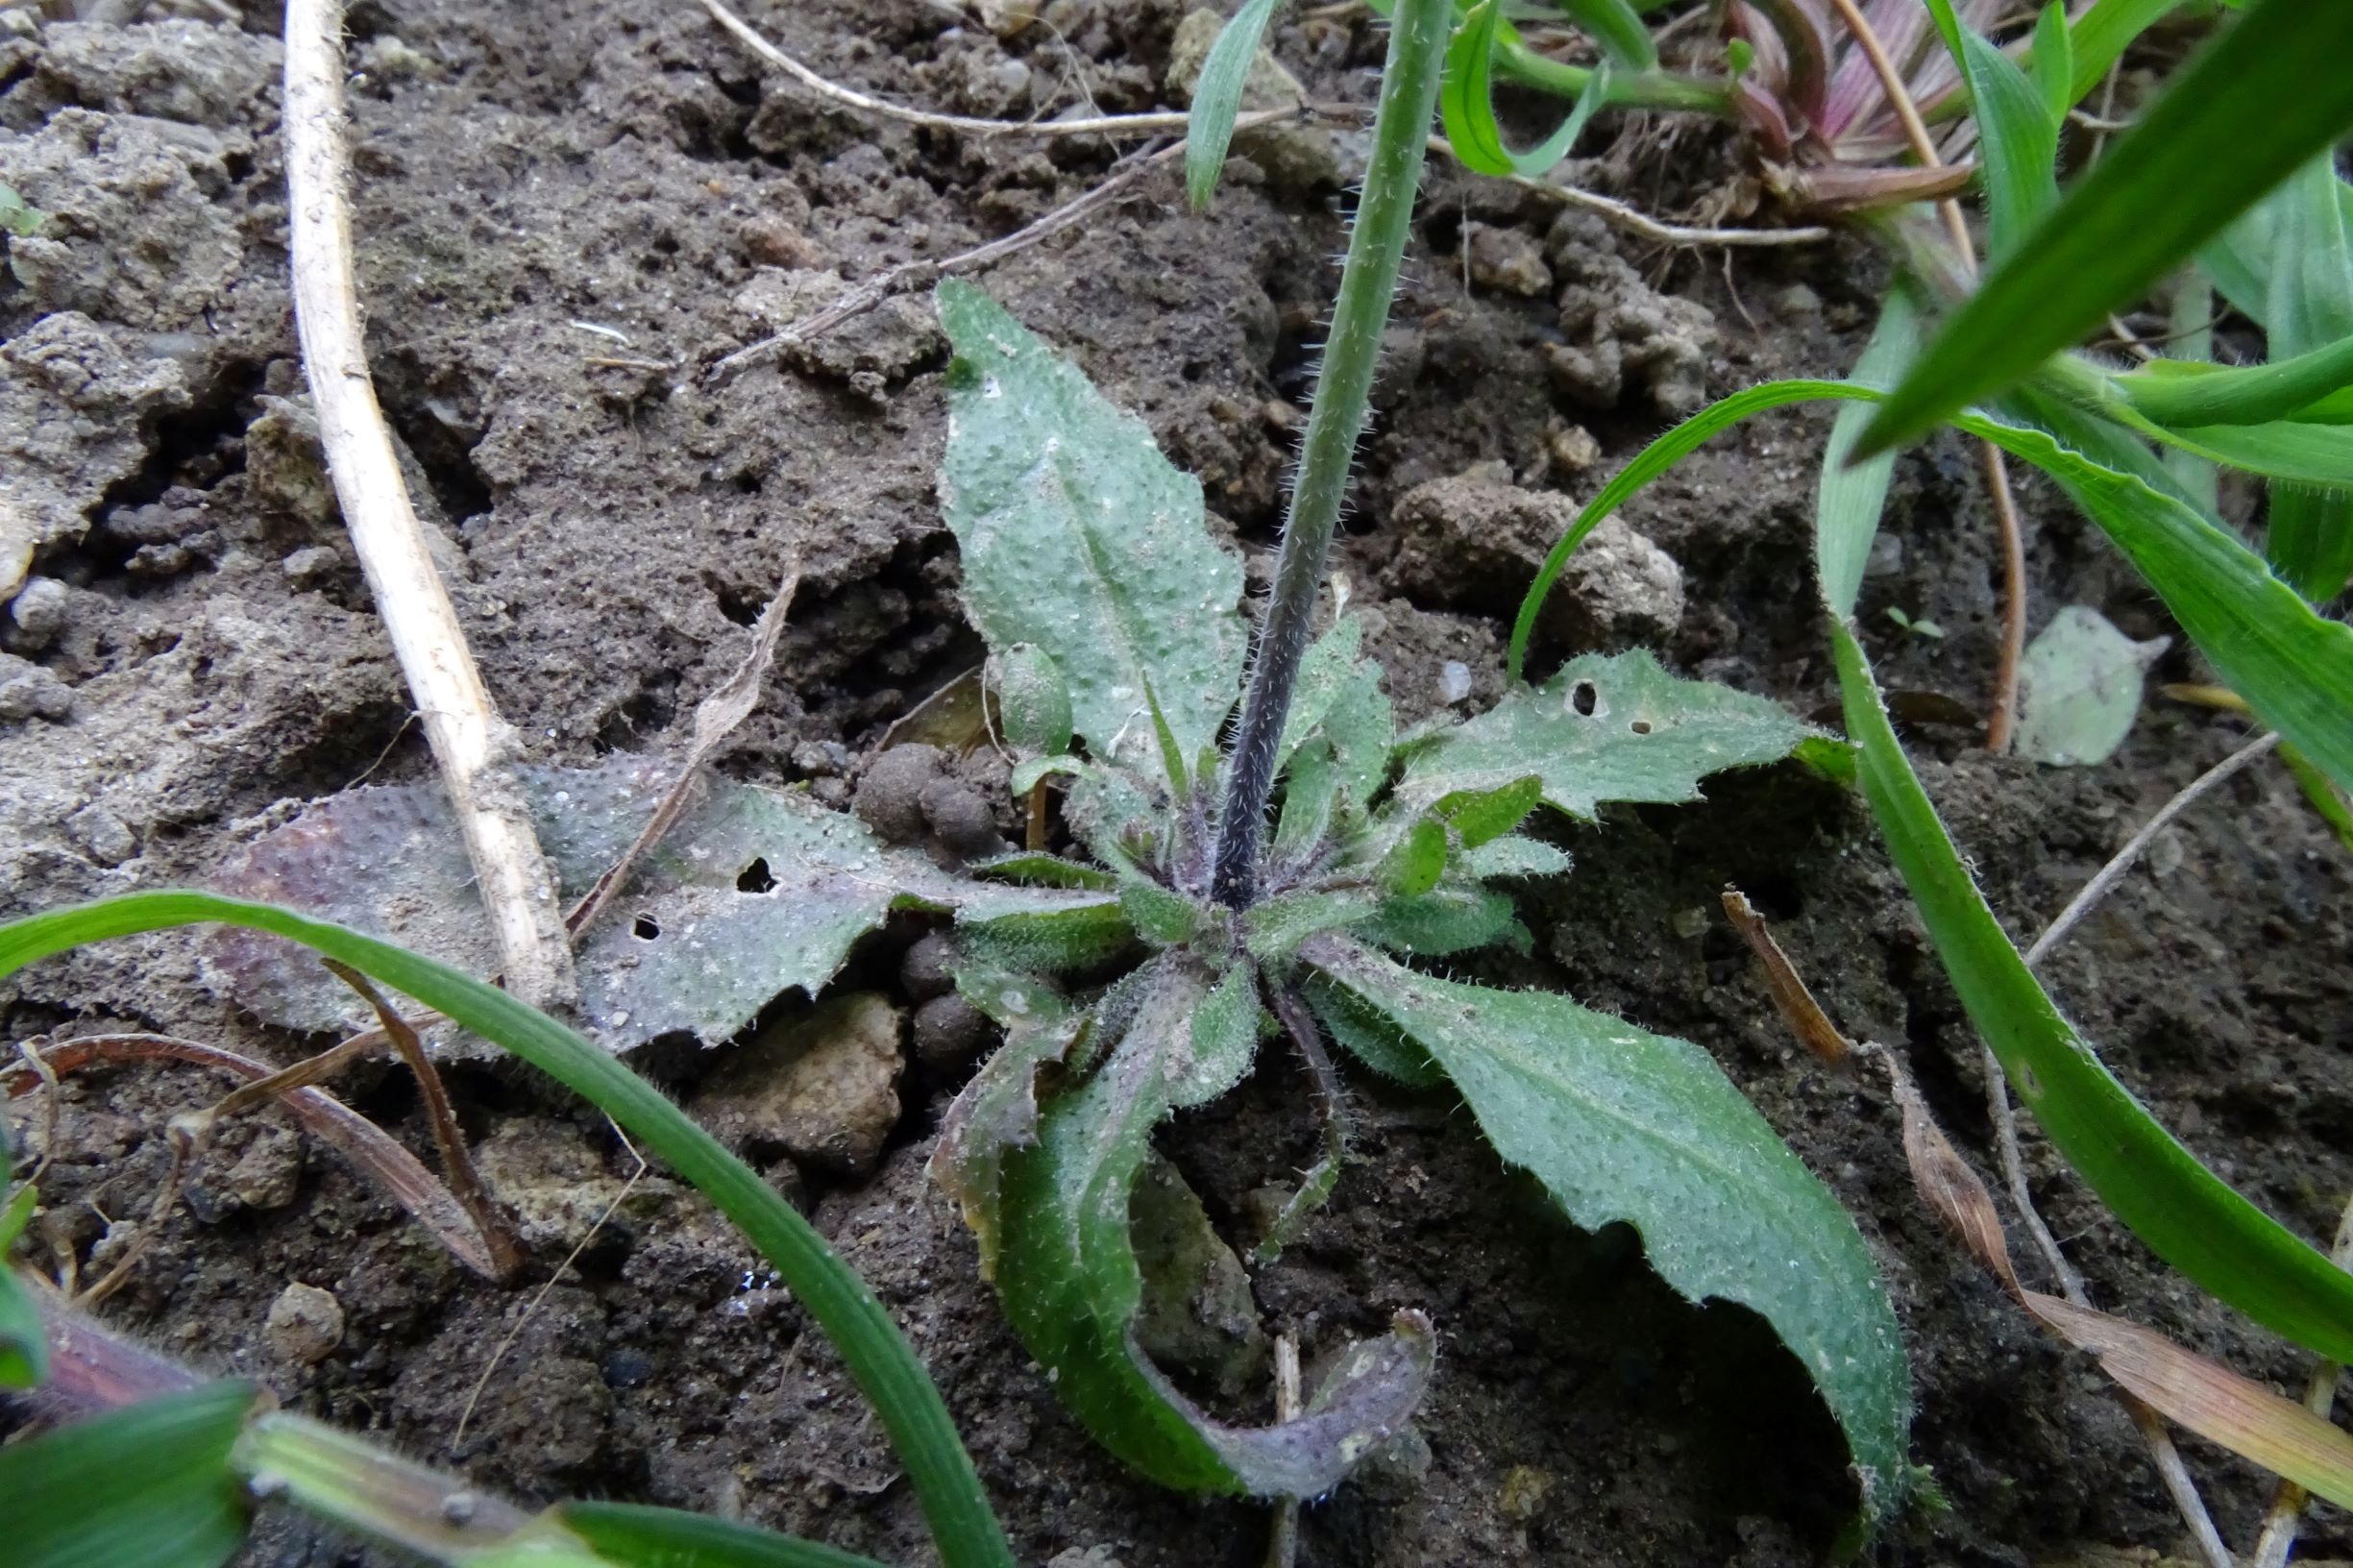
1066, 1266
1080, 538
754, 891
1622, 1124
1607, 727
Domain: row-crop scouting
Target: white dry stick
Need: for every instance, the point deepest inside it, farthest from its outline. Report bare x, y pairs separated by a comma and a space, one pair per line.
468, 739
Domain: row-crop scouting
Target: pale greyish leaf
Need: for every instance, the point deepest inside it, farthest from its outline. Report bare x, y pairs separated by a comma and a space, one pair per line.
1607, 727
754, 891
1080, 538
1622, 1124
2079, 689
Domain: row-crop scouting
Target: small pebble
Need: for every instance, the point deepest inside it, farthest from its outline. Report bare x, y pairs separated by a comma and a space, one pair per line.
40, 611
1454, 680
304, 1325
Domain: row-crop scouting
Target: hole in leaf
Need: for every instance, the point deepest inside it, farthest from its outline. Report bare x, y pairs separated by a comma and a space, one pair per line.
756, 878
1640, 727
1584, 698
645, 928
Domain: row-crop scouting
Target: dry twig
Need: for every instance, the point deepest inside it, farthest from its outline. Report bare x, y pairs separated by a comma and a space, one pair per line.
468, 739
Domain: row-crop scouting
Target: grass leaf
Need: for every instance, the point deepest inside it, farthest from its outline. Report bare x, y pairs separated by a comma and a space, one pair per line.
1618, 28
1078, 536
138, 1488
1622, 1124
878, 1357
1217, 97
627, 1535
2099, 37
2243, 113
2018, 133
2186, 1213
1466, 101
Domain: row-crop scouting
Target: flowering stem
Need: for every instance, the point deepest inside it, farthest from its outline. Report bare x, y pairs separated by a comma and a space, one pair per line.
1418, 31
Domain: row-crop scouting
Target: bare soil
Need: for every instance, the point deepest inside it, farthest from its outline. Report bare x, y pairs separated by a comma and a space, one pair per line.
211, 658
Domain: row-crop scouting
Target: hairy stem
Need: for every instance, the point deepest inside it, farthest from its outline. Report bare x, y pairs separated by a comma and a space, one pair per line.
1408, 100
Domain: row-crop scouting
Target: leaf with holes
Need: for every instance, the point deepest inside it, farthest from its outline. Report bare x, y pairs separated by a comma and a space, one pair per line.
1607, 727
1079, 537
752, 892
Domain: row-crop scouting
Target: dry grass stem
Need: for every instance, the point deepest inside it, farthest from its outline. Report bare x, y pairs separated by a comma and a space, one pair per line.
456, 1164
468, 740
333, 1123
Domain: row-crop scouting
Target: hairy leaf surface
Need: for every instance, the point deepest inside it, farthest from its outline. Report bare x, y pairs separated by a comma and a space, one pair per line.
1078, 536
1607, 727
1622, 1124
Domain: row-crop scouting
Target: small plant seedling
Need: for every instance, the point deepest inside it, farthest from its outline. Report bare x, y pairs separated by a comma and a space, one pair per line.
1915, 628
19, 219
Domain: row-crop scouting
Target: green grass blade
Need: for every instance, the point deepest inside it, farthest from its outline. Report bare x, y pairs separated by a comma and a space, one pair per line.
1617, 27
1848, 503
2318, 457
871, 1345
2186, 1213
1217, 97
2018, 136
2183, 393
2101, 36
630, 1536
1466, 101
2308, 308
1649, 464
2293, 666
2235, 121
2054, 63
139, 1487
24, 1348
2328, 802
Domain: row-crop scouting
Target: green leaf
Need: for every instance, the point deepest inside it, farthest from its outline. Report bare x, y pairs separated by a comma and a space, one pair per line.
1049, 871
1607, 727
844, 1309
1274, 927
1070, 1285
1032, 699
2243, 112
2101, 36
2018, 134
1850, 495
1079, 537
2328, 802
1466, 101
1415, 862
1622, 1124
996, 1112
24, 1345
1310, 790
629, 1536
1452, 919
2308, 308
1368, 1035
2186, 1213
1217, 97
2054, 66
17, 219
1517, 855
1477, 815
2184, 393
753, 891
1159, 914
1328, 670
1617, 27
2285, 451
138, 1488
2294, 667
